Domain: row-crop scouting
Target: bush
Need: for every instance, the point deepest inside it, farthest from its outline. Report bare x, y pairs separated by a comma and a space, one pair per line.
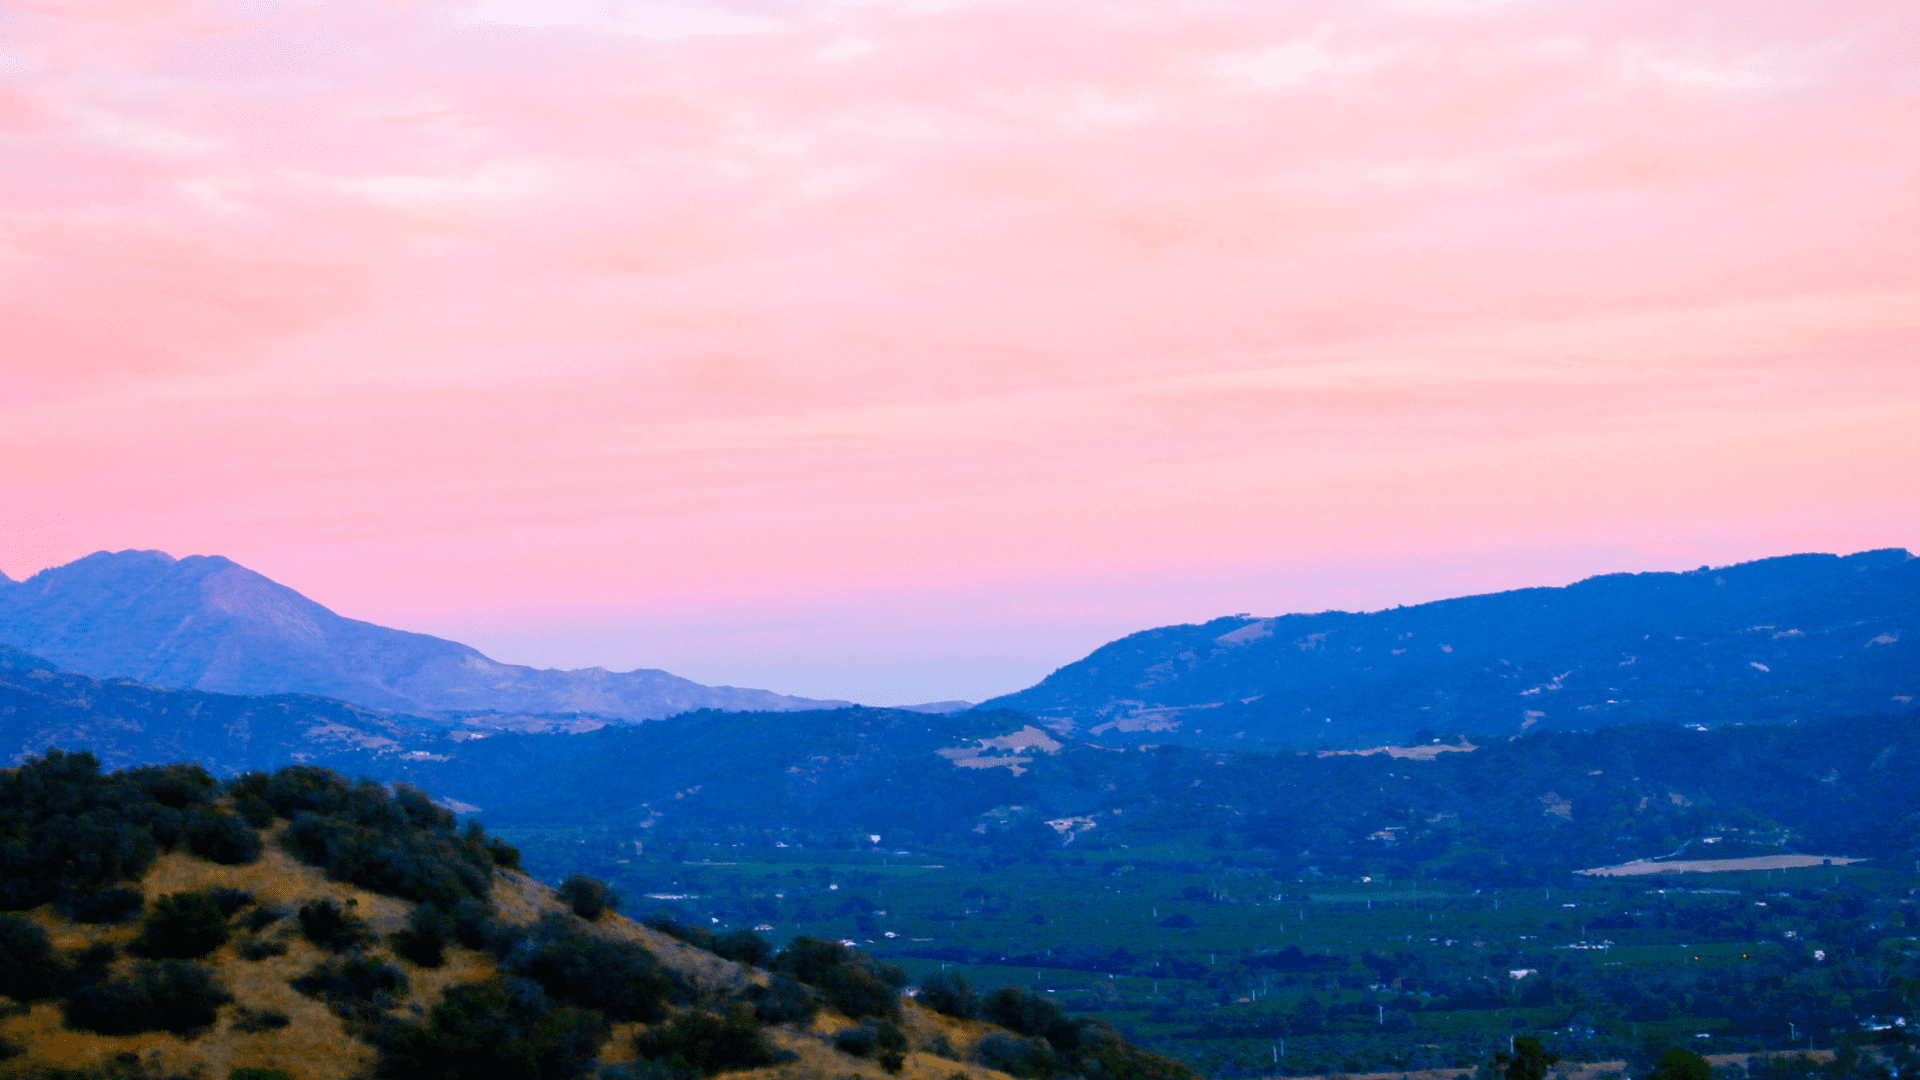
589, 898
885, 1044
503, 854
176, 786
744, 947
784, 1000
181, 926
697, 936
357, 989
947, 993
103, 906
70, 832
397, 844
503, 1030
1030, 1014
254, 811
1016, 1056
28, 969
162, 995
260, 950
618, 978
854, 983
249, 1022
1104, 1053
90, 965
424, 941
258, 1074
262, 918
230, 900
329, 927
705, 1044
220, 837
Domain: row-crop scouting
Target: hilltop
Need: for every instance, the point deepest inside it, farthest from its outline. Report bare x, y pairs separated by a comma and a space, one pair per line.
304, 927
208, 623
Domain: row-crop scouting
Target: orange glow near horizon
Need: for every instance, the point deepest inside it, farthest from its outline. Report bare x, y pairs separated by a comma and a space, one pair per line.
905, 350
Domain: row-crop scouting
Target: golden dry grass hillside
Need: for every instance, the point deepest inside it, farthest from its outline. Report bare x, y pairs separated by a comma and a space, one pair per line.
273, 1022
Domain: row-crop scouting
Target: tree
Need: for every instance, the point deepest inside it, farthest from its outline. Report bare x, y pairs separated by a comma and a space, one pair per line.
181, 926
1530, 1061
1679, 1063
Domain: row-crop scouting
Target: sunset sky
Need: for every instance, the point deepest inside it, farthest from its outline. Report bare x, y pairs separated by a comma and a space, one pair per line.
903, 350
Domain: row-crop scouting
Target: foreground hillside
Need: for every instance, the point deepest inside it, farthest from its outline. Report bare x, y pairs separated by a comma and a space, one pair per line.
1761, 642
294, 925
207, 623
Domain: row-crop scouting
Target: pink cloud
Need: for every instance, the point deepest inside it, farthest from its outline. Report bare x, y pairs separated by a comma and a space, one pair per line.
638, 308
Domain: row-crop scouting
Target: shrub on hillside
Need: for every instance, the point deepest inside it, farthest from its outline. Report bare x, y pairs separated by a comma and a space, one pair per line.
358, 989
503, 1030
1017, 1056
248, 1021
254, 810
504, 855
589, 898
618, 978
703, 1044
947, 993
742, 946
1103, 1053
261, 950
1031, 1014
424, 941
175, 786
883, 1043
396, 843
784, 1000
103, 906
259, 1074
853, 982
161, 995
220, 837
181, 926
229, 900
262, 917
66, 831
29, 970
325, 924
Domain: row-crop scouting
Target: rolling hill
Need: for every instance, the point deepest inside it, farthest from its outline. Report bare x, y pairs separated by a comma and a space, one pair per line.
1770, 641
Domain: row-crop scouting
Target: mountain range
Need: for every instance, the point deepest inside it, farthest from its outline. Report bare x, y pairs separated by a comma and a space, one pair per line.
208, 623
1770, 641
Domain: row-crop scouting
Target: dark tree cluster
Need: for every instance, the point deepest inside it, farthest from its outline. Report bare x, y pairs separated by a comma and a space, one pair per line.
852, 982
504, 1028
68, 833
1046, 1042
742, 946
705, 1043
397, 844
359, 989
617, 978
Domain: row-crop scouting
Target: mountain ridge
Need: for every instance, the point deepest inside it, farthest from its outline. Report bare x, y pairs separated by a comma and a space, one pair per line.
1764, 641
208, 623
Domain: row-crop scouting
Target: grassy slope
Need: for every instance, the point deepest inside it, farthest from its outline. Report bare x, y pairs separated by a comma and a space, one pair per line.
315, 1046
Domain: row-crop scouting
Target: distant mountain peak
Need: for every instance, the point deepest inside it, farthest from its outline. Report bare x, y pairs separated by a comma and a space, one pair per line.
205, 622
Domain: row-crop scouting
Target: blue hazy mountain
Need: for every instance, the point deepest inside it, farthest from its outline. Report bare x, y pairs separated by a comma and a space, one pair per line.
208, 623
127, 723
1771, 641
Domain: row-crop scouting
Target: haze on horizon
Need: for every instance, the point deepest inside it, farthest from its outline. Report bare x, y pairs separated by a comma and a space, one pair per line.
903, 351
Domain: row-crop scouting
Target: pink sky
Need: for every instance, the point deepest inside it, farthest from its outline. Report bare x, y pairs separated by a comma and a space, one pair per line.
905, 349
